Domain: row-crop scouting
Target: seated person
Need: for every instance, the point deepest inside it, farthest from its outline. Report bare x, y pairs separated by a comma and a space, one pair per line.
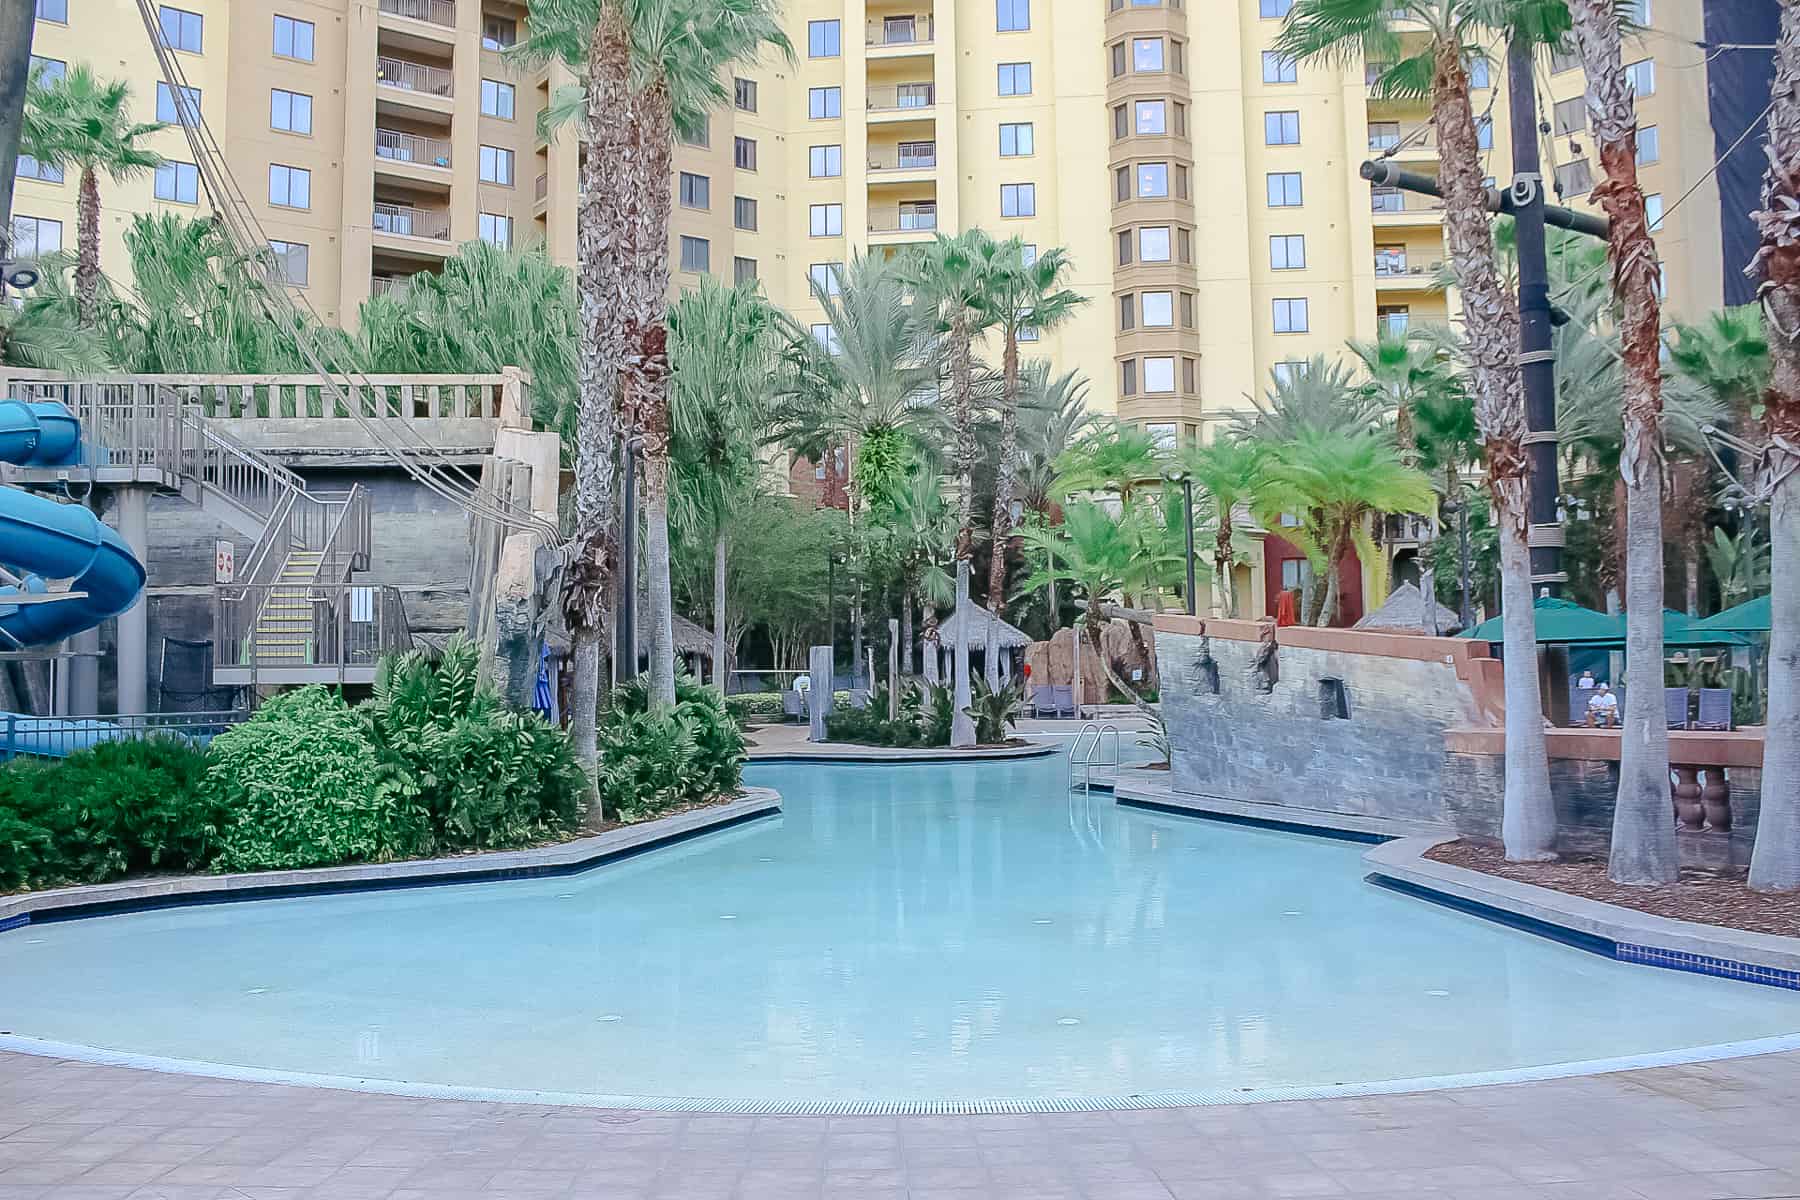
1603, 709
1586, 681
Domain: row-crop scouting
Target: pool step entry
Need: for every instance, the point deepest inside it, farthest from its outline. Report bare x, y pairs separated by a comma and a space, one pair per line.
1090, 754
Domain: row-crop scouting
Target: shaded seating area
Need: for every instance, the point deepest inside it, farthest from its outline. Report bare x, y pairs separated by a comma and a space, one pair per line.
983, 629
1408, 611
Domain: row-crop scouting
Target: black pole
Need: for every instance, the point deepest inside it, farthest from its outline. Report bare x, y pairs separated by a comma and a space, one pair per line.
1468, 608
1187, 493
831, 604
17, 19
628, 657
1382, 173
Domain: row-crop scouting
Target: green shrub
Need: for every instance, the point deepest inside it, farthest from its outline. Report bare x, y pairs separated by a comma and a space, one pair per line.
305, 787
650, 762
995, 710
917, 725
754, 704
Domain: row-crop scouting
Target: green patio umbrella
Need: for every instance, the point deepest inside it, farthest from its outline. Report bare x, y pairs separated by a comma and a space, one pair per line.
1562, 622
1680, 630
1752, 616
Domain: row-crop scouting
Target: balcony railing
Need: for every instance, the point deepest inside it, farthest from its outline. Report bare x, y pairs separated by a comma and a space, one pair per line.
1389, 137
1390, 264
901, 31
414, 77
388, 285
436, 12
907, 156
543, 187
408, 221
395, 146
902, 96
905, 219
1393, 200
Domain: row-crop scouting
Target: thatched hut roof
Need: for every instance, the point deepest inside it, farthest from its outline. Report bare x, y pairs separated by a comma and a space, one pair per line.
1007, 637
689, 637
1406, 612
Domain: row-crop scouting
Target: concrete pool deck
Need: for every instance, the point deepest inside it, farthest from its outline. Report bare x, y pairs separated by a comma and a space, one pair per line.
1709, 1131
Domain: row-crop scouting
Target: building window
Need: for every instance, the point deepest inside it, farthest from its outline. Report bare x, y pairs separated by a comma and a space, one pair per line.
696, 254
1127, 313
1159, 375
1028, 253
178, 182
1187, 310
1390, 260
1128, 377
743, 213
1391, 320
1153, 243
1288, 373
1146, 54
1152, 180
1274, 8
1641, 75
290, 112
1564, 58
743, 153
1121, 184
36, 237
824, 103
696, 191
1016, 140
1284, 189
827, 277
1125, 248
1018, 199
1287, 252
1290, 316
1570, 116
498, 33
48, 70
1480, 73
291, 262
1189, 377
1649, 145
1121, 123
700, 136
1015, 79
1637, 12
1118, 59
1484, 133
827, 337
43, 172
743, 94
496, 165
1184, 245
1278, 68
1574, 178
743, 270
497, 99
1653, 210
825, 162
492, 227
171, 113
1012, 16
824, 39
1281, 128
53, 10
825, 220
1180, 119
1159, 310
1151, 117
181, 29
294, 38
290, 187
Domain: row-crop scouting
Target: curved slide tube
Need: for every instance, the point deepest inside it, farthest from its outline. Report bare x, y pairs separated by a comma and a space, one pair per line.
41, 539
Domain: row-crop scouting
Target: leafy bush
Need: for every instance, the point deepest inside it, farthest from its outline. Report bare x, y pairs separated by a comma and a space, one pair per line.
117, 809
754, 704
651, 762
923, 721
995, 711
305, 787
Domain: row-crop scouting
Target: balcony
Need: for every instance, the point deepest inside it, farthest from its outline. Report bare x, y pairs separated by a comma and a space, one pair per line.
897, 36
904, 156
403, 220
388, 285
414, 77
903, 100
541, 192
1418, 144
1393, 272
1394, 209
395, 146
902, 222
432, 12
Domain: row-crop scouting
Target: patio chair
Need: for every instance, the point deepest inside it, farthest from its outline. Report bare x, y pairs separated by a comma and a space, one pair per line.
1715, 709
1062, 698
1043, 700
793, 704
859, 697
1677, 701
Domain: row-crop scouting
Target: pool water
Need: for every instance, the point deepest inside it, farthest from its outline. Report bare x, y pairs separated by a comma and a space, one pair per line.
914, 933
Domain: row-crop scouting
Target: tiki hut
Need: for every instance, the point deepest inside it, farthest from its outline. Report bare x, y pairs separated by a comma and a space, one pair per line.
1009, 640
1408, 611
693, 645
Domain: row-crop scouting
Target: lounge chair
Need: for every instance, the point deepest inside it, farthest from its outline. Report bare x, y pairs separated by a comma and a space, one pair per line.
793, 704
1715, 709
1677, 701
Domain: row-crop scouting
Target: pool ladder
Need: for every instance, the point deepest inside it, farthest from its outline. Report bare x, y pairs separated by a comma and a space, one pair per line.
1088, 755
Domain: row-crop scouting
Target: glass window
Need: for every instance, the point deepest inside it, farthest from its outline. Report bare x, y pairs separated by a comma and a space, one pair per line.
1128, 377
1279, 68
1153, 243
743, 213
1121, 123
492, 227
291, 262
36, 237
1564, 58
1187, 310
1574, 179
1015, 140
1127, 312
290, 112
1125, 247
53, 10
826, 162
1281, 129
496, 165
178, 182
824, 39
825, 220
1159, 374
743, 153
1028, 253
743, 94
169, 113
824, 103
1641, 75
31, 168
1287, 252
1177, 60
1152, 179
1018, 199
1288, 372
497, 32
827, 277
1184, 245
700, 136
290, 187
1159, 310
497, 99
1480, 73
1152, 117
1122, 184
1290, 316
1653, 210
1012, 16
1649, 146
696, 254
48, 70
1484, 133
1284, 189
1275, 8
1146, 54
1391, 320
827, 337
696, 191
1189, 384
1015, 79
181, 29
1570, 116
743, 270
1390, 260
1118, 59
294, 38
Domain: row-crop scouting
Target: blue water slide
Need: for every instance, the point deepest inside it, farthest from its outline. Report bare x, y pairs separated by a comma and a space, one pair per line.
42, 540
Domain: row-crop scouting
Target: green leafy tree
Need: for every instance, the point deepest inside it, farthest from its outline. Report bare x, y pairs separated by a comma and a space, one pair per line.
1053, 417
1228, 471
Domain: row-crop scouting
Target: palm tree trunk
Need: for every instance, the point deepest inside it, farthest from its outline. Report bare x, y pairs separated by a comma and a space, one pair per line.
906, 629
1224, 601
87, 256
962, 389
1096, 623
1050, 591
719, 675
1006, 483
1492, 316
1643, 837
656, 564
584, 694
1775, 861
962, 726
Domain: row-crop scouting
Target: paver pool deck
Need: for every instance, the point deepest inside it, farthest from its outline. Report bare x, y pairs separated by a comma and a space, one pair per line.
1712, 1131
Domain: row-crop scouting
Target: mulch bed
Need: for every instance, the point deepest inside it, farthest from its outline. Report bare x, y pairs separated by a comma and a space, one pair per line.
1701, 896
590, 828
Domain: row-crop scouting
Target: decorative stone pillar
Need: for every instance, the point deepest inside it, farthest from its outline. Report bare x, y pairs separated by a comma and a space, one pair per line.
1715, 799
819, 663
1689, 812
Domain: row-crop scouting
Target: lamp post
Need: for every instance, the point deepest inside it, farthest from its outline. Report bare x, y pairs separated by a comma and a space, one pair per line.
1187, 519
1460, 509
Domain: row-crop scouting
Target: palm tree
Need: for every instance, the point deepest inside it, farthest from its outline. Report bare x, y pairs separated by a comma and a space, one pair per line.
1319, 396
918, 519
1727, 355
1111, 457
82, 122
1052, 417
1228, 469
1403, 372
1346, 32
1019, 296
1775, 862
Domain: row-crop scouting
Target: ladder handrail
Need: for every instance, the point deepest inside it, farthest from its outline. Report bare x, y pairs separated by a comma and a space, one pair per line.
1092, 758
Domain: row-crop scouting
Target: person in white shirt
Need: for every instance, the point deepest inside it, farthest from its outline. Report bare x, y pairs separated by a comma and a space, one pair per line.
1603, 709
1586, 681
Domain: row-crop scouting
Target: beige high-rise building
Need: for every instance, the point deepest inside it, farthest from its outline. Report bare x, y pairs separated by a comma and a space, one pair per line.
1206, 189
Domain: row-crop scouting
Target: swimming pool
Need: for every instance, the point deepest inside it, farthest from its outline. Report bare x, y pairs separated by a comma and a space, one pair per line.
907, 936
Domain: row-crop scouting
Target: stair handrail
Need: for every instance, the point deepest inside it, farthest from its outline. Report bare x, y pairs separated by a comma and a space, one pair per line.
346, 546
264, 564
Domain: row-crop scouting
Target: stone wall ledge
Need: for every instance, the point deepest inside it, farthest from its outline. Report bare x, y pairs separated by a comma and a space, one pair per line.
564, 858
1153, 789
1687, 747
1624, 932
